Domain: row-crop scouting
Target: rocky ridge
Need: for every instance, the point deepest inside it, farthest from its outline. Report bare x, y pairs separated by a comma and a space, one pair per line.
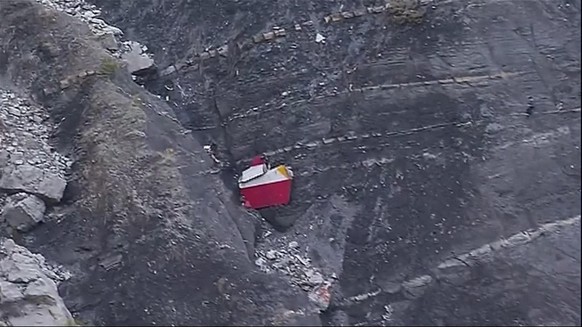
133, 53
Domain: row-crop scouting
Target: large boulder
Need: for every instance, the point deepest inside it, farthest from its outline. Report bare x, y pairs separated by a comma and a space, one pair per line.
23, 211
28, 296
33, 180
137, 62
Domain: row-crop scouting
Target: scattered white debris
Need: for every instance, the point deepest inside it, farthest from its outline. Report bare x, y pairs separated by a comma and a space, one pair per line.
299, 269
319, 38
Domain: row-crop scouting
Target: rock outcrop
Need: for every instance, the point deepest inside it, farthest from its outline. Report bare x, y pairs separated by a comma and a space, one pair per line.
28, 289
30, 168
31, 179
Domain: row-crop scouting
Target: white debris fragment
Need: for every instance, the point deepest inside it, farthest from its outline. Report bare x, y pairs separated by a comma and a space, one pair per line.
272, 255
319, 38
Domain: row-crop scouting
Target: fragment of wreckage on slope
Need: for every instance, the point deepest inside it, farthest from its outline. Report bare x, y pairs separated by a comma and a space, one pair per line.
262, 186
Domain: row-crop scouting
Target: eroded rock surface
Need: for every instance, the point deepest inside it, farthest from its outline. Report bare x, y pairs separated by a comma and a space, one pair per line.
23, 211
28, 289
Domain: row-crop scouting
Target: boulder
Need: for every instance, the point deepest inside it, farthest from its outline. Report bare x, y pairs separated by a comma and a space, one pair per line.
137, 62
28, 297
23, 211
34, 180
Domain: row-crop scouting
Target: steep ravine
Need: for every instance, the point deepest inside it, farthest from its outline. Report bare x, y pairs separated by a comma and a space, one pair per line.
147, 239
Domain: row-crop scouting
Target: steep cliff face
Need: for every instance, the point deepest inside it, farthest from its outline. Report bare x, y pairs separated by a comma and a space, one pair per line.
418, 130
436, 146
147, 237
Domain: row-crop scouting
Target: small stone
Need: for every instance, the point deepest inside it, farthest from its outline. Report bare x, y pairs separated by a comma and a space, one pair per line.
271, 255
347, 14
64, 84
269, 35
316, 279
293, 245
258, 38
260, 262
280, 33
14, 111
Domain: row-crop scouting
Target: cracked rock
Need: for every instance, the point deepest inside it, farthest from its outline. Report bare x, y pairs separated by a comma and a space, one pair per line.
137, 62
23, 211
28, 295
32, 179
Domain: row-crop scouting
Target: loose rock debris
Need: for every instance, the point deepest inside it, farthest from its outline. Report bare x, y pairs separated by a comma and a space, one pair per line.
300, 270
29, 166
28, 289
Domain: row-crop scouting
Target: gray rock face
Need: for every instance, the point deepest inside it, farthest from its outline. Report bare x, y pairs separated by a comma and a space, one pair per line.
136, 60
34, 180
28, 296
23, 211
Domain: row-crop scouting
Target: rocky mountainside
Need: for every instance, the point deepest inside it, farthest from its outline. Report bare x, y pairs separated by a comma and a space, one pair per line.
436, 147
